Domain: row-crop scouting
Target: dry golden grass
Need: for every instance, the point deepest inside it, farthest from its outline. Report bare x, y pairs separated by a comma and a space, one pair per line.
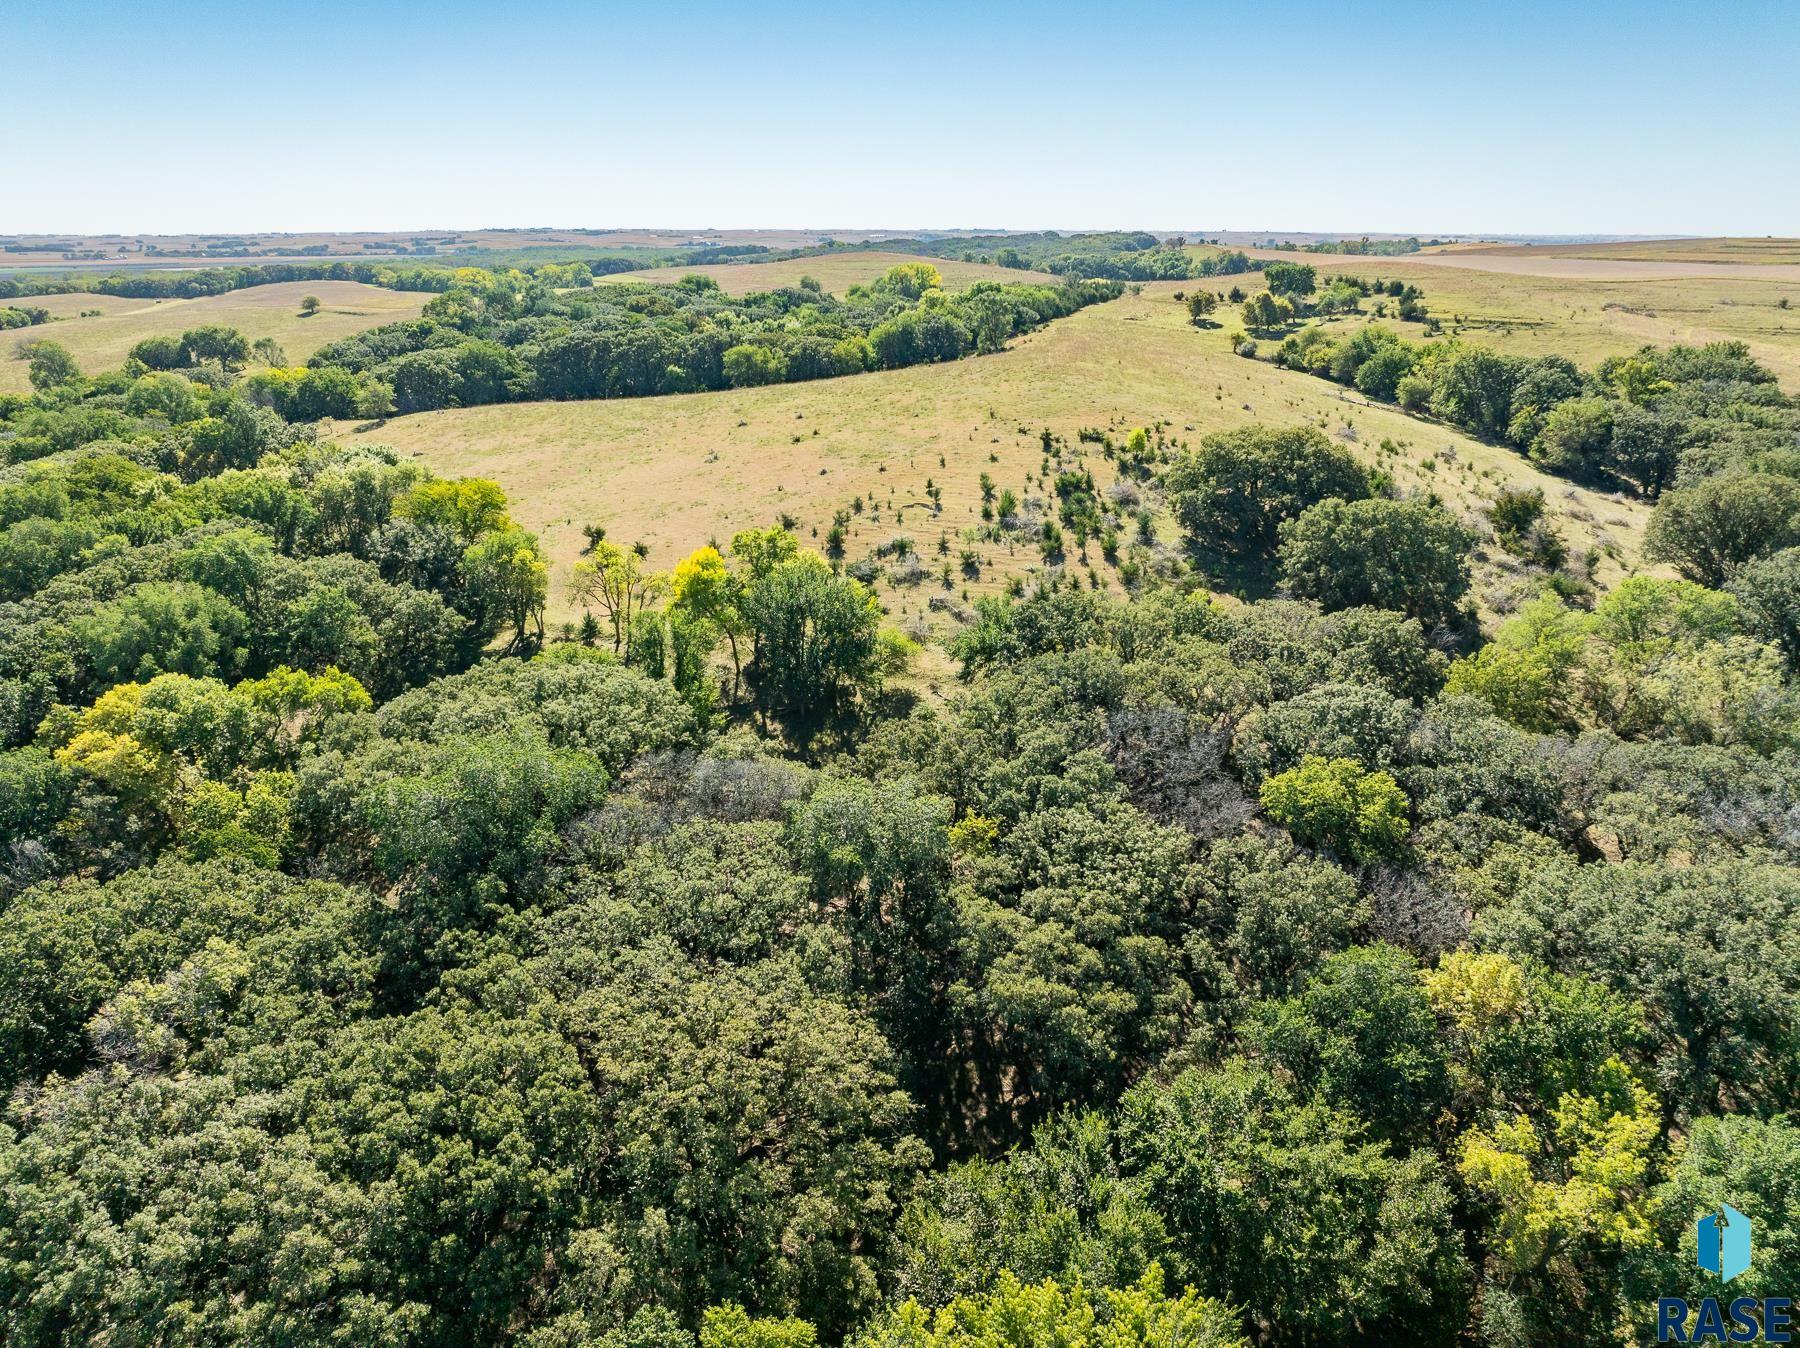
69, 306
261, 311
836, 272
1588, 318
677, 472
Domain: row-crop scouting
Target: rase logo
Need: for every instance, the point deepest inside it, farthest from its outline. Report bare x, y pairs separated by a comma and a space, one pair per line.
1723, 1238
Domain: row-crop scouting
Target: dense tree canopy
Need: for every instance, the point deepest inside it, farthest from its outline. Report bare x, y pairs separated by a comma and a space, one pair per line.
1301, 970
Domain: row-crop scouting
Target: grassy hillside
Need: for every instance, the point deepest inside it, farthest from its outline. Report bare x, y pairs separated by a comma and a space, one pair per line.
262, 311
837, 273
678, 471
1587, 318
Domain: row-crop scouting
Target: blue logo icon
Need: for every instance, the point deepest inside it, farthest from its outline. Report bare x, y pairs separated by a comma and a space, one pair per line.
1724, 1239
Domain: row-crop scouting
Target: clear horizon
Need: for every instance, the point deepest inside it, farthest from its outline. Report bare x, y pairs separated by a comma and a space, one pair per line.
1523, 119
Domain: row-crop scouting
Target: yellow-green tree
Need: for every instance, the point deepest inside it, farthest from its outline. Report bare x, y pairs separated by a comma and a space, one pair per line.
615, 580
1570, 1196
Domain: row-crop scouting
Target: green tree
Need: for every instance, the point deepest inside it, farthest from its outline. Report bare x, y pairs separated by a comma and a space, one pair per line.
1293, 279
1283, 1206
1405, 555
1768, 590
51, 366
747, 365
1714, 527
228, 346
1750, 1163
1361, 1034
508, 582
1576, 436
814, 643
1060, 1208
1334, 803
1686, 944
1141, 1316
162, 627
1234, 491
1473, 387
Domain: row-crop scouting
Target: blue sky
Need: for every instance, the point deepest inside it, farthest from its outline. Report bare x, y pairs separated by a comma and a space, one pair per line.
1519, 118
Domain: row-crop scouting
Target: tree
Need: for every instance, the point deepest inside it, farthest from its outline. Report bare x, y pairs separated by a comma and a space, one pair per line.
1334, 803
1686, 944
507, 582
910, 280
1750, 1163
466, 506
269, 352
747, 365
228, 346
163, 627
1527, 673
704, 590
1570, 1200
1200, 303
1263, 312
758, 1142
309, 305
1141, 1316
1233, 492
814, 643
1079, 976
1714, 527
161, 352
1060, 1208
1379, 376
51, 366
1768, 589
1281, 1205
1473, 387
168, 396
1644, 449
1406, 555
1293, 279
1576, 436
614, 578
1362, 1035
1519, 1037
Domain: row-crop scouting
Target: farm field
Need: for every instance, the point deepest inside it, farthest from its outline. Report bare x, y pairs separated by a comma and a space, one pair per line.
261, 311
1759, 251
677, 472
835, 272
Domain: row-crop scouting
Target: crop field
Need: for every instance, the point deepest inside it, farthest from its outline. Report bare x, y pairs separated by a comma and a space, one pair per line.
101, 343
835, 272
676, 472
1768, 251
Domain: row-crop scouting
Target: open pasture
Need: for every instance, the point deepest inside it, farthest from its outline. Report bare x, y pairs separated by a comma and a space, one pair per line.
103, 342
677, 472
1587, 318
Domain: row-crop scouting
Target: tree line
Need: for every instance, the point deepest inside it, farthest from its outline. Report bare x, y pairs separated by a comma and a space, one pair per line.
553, 267
511, 337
